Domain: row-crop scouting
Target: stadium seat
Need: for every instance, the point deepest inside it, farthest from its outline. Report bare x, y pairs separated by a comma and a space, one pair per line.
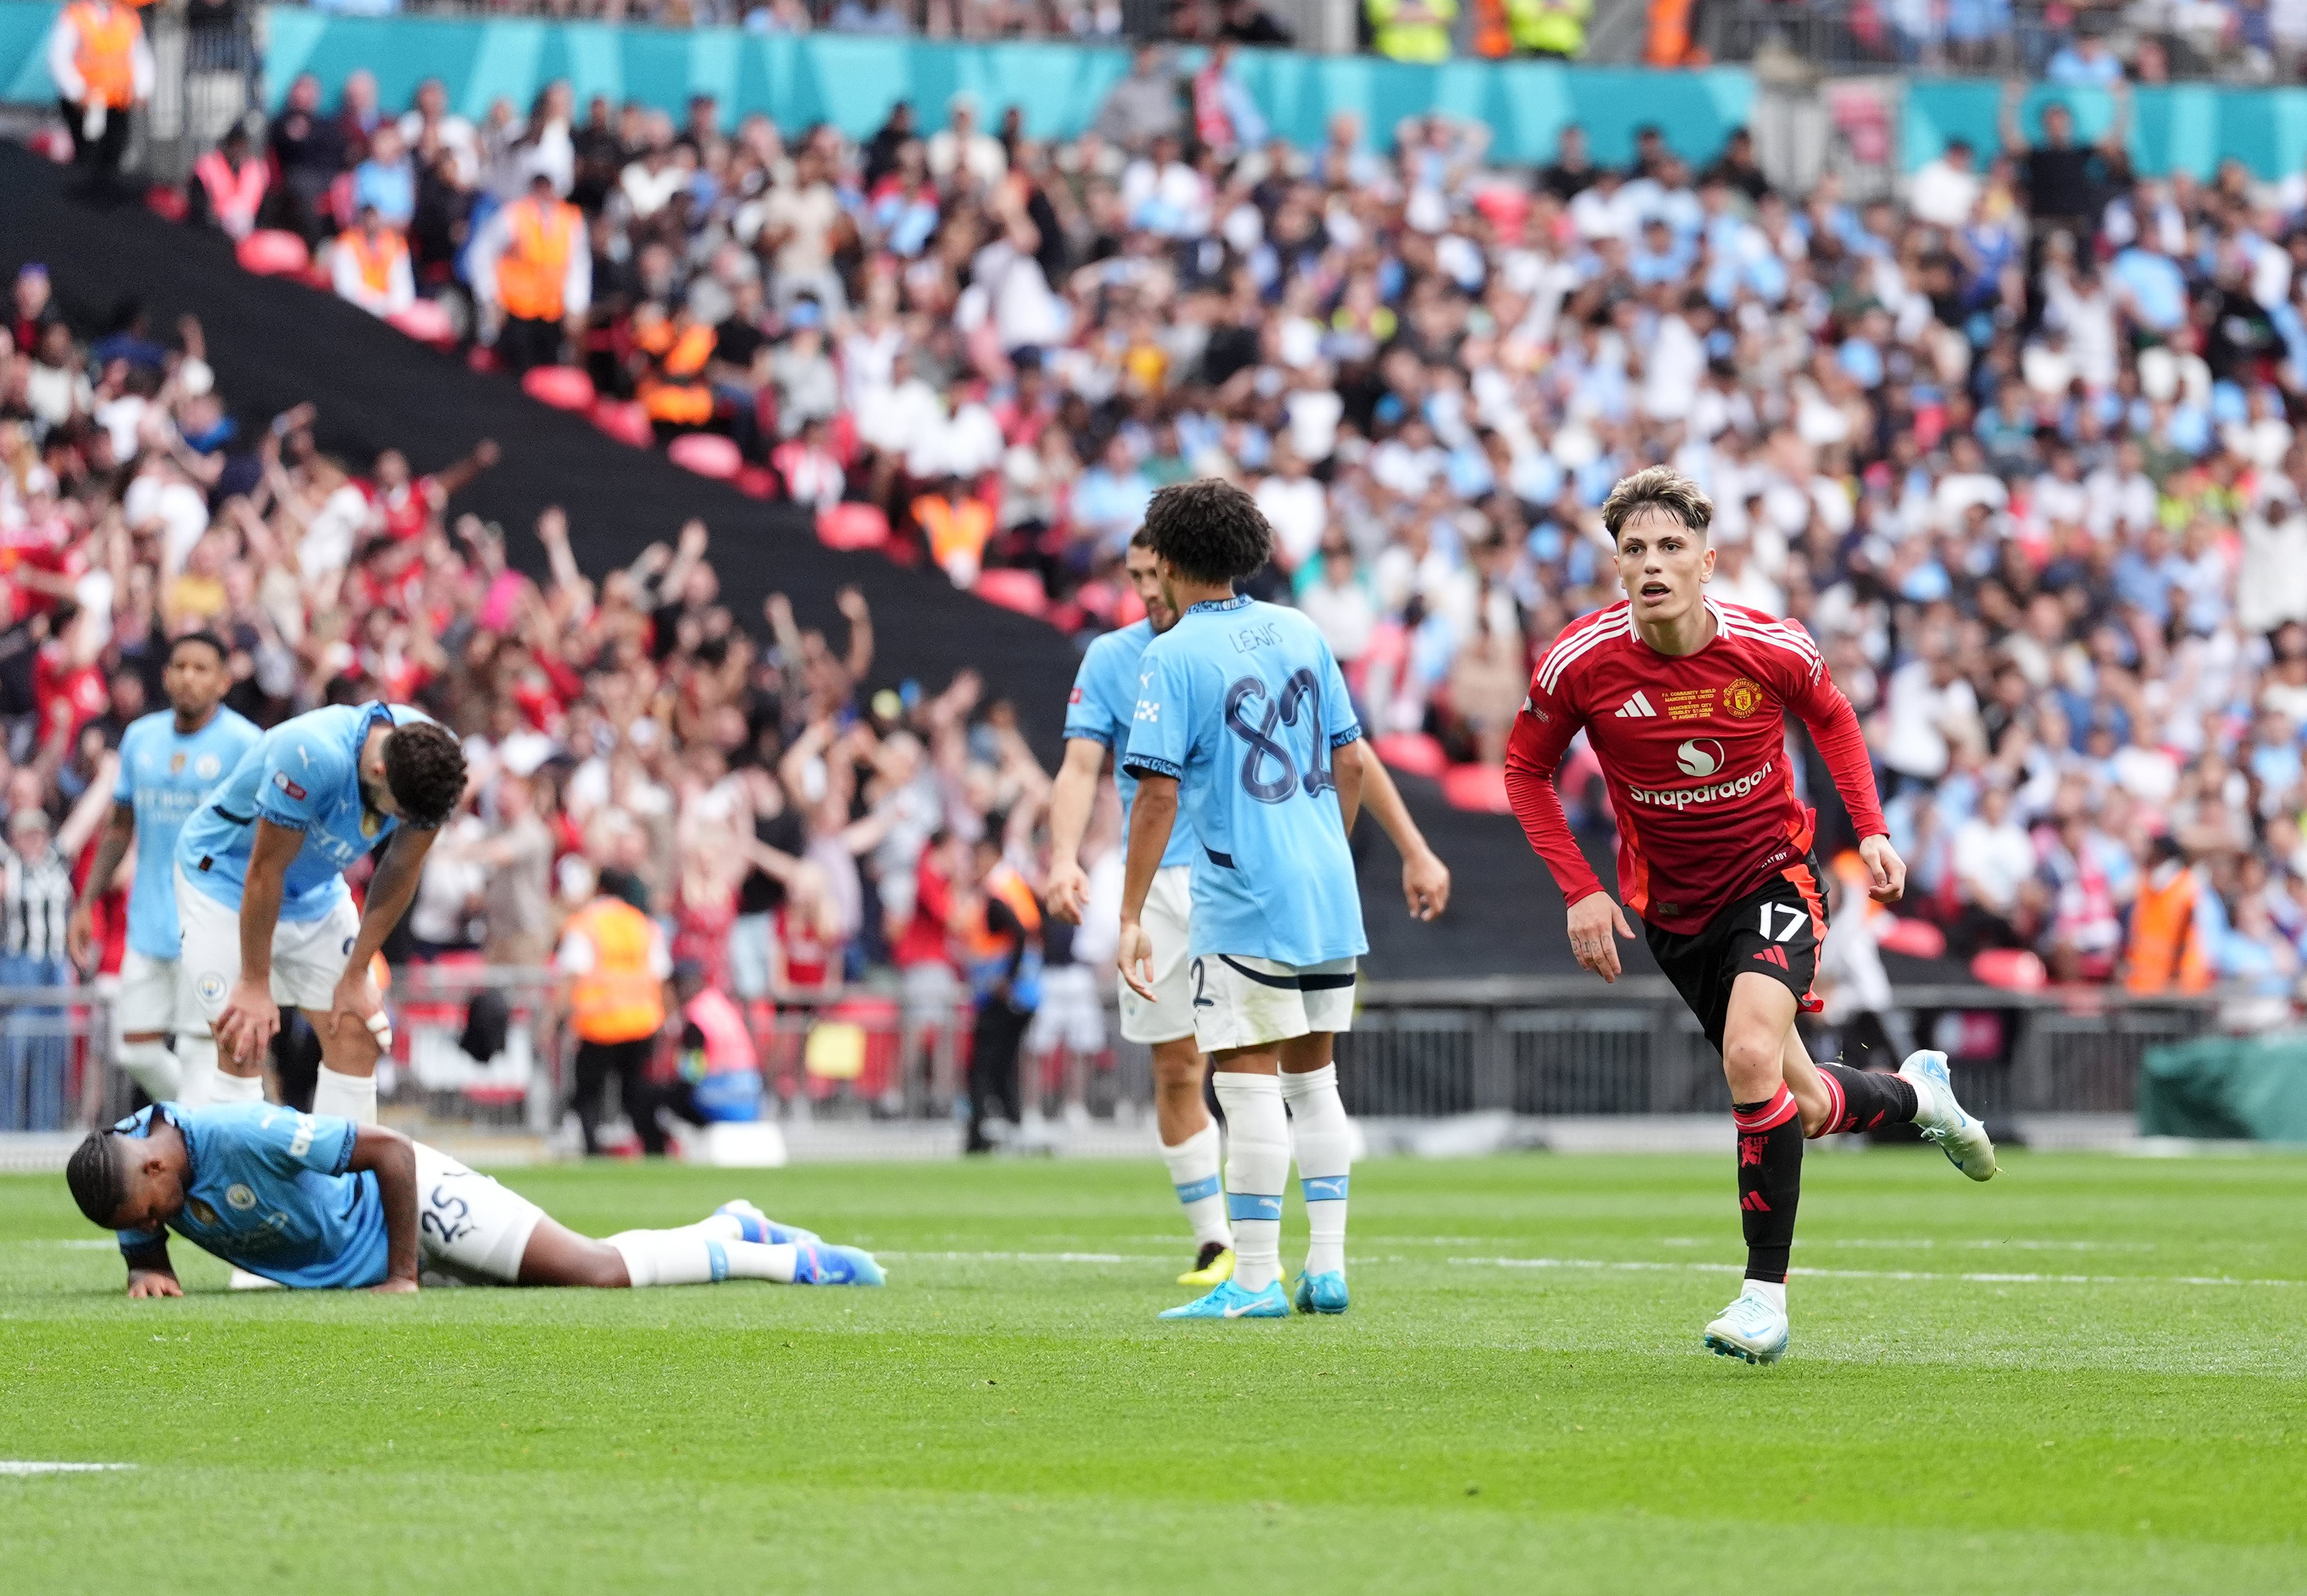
166, 203
1412, 753
626, 423
564, 387
1480, 788
1021, 590
1128, 609
2013, 969
427, 323
270, 252
707, 454
1915, 939
757, 482
853, 526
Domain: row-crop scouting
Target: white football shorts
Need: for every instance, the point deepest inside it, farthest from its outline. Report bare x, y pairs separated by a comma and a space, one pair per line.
468, 1226
1169, 905
308, 956
1071, 1015
1240, 1000
149, 995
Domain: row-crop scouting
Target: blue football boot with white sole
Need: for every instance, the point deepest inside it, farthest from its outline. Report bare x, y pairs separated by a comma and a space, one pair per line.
1944, 1122
1324, 1292
1230, 1301
1753, 1328
754, 1226
820, 1263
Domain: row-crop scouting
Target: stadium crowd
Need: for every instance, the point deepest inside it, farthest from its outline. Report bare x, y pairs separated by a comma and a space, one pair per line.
2016, 451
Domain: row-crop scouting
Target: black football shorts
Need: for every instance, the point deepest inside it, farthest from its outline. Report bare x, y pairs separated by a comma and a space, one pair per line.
1775, 930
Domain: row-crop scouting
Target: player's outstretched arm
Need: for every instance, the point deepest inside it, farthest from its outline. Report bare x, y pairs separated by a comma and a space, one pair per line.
251, 1019
149, 1272
391, 1157
390, 893
119, 836
1424, 878
1151, 820
1072, 796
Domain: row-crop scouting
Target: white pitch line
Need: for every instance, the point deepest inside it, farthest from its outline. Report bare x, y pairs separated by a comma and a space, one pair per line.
1034, 1258
12, 1467
1978, 1279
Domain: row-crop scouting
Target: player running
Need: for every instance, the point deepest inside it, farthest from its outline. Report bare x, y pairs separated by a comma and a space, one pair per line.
170, 761
266, 917
317, 1202
1242, 720
1097, 720
1683, 701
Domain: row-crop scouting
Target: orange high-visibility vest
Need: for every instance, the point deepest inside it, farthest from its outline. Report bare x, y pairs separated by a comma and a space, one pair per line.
534, 269
234, 196
1669, 41
954, 529
106, 56
376, 263
619, 999
2165, 955
672, 393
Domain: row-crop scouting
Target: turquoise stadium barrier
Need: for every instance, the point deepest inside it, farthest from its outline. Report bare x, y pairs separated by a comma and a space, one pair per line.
853, 82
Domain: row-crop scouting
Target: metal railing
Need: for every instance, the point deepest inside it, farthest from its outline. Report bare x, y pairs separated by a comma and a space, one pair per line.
1544, 1045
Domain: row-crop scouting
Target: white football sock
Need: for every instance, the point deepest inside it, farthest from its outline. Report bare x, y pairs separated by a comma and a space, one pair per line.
235, 1089
1194, 1172
692, 1258
1773, 1291
348, 1096
1258, 1167
196, 1061
154, 1070
1324, 1140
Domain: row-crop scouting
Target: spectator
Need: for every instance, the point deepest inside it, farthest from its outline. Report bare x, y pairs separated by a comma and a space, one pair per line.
1144, 105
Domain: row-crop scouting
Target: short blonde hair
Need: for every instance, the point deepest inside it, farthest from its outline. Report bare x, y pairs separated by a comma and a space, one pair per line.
1660, 487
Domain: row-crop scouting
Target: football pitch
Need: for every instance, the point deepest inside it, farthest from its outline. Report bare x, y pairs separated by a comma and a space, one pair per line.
2089, 1376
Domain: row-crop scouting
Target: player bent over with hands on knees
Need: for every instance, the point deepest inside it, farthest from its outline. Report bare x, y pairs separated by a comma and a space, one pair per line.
316, 1201
1242, 723
1684, 702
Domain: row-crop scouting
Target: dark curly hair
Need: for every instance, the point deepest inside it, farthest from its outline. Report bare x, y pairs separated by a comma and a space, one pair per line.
425, 767
97, 1174
1210, 530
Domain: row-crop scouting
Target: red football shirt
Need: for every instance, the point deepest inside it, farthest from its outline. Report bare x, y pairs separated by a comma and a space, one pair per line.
1693, 750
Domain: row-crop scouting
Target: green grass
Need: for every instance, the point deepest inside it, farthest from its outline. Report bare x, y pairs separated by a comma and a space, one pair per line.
1022, 1423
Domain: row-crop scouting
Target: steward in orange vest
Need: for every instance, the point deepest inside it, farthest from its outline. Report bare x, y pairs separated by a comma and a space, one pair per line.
102, 67
370, 266
535, 263
614, 964
229, 184
2166, 951
673, 352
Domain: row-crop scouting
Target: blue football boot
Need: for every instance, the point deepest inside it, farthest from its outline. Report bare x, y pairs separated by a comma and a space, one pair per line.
1324, 1292
1230, 1301
820, 1263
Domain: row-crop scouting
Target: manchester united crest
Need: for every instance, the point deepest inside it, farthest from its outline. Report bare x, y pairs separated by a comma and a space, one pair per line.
1742, 697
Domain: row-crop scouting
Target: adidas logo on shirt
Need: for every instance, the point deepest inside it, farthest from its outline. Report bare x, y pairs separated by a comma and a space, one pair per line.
1636, 708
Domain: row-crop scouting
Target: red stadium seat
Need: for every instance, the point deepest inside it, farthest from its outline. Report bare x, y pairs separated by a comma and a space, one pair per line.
1021, 590
757, 482
853, 526
1413, 753
1128, 609
166, 203
625, 422
270, 252
707, 454
427, 323
564, 387
1916, 939
2014, 969
1480, 788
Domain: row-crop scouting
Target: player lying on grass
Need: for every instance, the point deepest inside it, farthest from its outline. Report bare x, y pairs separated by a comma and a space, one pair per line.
1684, 702
316, 1201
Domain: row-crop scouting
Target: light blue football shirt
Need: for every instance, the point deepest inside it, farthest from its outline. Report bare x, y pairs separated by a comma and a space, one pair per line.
164, 777
1243, 703
304, 774
269, 1192
1104, 699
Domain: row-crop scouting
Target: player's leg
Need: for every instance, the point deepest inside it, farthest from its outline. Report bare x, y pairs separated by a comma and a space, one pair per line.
1759, 1014
1839, 1098
1245, 1009
206, 965
1320, 1134
144, 1013
590, 1092
630, 1064
1191, 1147
308, 960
